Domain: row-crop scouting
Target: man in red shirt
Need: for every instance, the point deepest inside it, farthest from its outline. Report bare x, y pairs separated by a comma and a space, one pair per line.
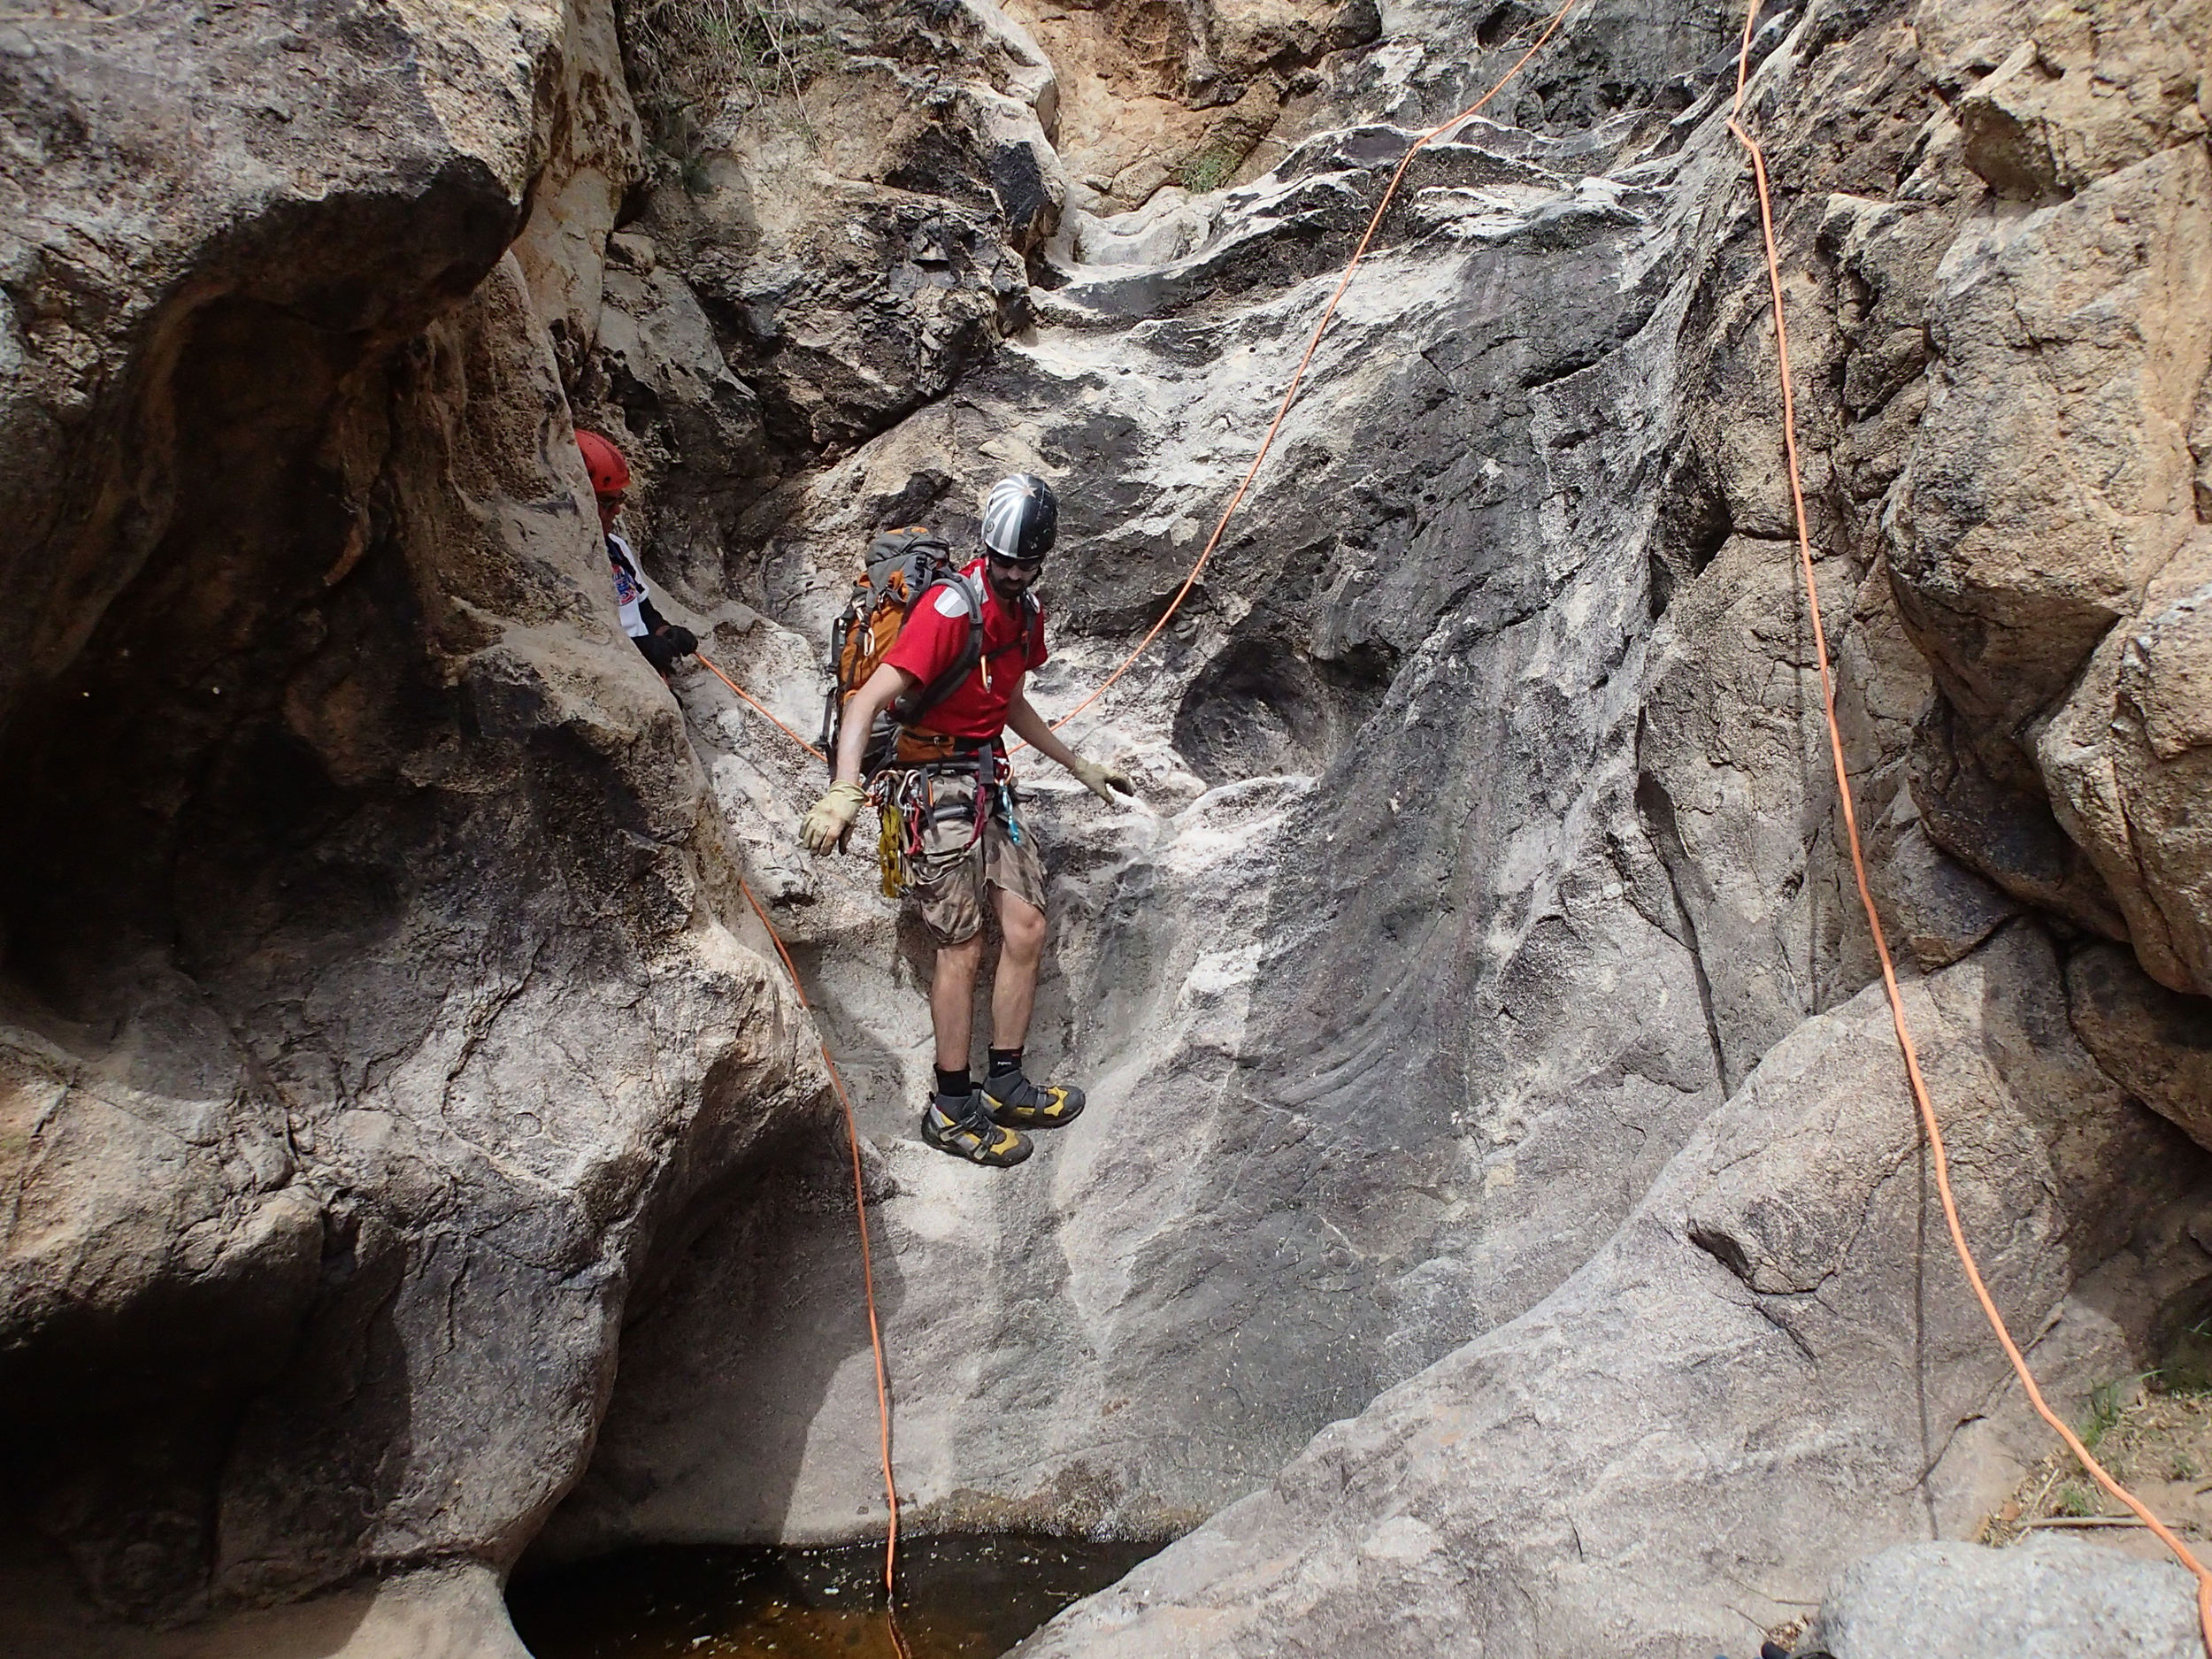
976, 854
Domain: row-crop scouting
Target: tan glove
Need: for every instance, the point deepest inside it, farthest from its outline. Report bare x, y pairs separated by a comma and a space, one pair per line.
832, 816
1101, 778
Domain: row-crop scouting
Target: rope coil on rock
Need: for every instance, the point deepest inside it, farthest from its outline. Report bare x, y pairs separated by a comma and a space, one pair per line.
1921, 1100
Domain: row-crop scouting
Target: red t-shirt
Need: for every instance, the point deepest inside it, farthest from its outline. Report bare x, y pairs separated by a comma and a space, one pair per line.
936, 634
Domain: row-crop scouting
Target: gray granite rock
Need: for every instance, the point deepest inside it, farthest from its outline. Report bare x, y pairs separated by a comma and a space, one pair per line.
1378, 1060
1473, 1006
2045, 1599
1766, 1374
2156, 1043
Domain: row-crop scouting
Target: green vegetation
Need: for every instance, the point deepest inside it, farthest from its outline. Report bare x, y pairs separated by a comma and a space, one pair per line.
691, 60
1208, 169
2107, 1402
2074, 1499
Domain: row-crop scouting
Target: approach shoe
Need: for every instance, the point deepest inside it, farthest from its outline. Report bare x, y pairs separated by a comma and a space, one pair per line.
1018, 1103
964, 1128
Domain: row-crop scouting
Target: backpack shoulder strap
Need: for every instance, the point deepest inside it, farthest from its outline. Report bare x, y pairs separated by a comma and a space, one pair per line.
911, 707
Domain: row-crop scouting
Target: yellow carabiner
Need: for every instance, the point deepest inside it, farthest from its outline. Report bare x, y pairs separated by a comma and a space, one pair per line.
890, 858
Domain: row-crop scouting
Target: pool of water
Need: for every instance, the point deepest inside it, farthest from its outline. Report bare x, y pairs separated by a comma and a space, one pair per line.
960, 1597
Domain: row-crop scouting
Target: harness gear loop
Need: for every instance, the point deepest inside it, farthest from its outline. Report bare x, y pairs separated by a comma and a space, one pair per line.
905, 796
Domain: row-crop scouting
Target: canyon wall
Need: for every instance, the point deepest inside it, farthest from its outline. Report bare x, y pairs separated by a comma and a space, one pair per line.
412, 1154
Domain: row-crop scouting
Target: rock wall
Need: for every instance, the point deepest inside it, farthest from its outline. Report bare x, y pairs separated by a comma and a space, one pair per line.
1474, 1006
374, 993
1492, 848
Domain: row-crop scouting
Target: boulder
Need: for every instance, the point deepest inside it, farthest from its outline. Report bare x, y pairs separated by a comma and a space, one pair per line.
2050, 477
2089, 93
373, 998
2048, 1596
2127, 758
1767, 1373
2156, 1044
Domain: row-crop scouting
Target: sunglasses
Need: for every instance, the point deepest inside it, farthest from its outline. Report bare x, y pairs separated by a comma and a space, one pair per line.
1036, 564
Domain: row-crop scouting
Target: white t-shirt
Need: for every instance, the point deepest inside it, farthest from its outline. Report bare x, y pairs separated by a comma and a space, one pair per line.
630, 590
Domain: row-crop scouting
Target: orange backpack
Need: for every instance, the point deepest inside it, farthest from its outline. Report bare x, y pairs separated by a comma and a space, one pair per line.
903, 565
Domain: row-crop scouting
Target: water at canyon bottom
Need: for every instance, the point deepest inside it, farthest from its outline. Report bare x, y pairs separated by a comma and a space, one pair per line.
963, 1596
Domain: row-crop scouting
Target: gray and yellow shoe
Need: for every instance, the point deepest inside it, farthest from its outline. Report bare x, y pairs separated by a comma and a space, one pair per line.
961, 1126
1016, 1102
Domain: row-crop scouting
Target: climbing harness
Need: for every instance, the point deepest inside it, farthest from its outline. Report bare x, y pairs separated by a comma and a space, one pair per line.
1937, 1157
909, 804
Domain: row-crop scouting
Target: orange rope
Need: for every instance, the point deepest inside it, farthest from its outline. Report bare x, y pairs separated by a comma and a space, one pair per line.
1873, 919
1313, 344
1290, 393
764, 709
867, 1258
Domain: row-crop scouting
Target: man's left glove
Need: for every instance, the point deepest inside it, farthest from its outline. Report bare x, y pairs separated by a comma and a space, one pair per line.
681, 639
832, 816
1101, 778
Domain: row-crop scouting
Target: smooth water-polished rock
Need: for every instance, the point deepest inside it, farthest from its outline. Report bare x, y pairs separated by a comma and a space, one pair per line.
1763, 1376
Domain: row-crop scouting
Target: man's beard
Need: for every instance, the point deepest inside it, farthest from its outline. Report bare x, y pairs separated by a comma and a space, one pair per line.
1010, 598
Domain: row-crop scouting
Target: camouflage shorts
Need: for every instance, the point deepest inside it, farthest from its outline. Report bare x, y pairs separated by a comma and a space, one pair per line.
956, 865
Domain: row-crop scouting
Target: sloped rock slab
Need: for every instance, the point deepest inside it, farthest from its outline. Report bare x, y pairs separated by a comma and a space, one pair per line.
2049, 1599
1774, 1368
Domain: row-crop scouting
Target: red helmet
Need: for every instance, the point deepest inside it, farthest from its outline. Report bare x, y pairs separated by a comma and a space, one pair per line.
609, 472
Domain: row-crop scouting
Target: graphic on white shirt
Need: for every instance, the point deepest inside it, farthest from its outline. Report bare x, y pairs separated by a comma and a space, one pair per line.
630, 590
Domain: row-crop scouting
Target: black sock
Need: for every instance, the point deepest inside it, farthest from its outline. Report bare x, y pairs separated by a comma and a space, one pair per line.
1005, 1061
956, 1083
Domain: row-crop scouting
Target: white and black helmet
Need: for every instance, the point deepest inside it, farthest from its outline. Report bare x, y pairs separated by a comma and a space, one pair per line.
1020, 518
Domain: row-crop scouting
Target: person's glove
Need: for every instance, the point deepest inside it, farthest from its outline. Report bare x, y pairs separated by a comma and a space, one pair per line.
1101, 778
832, 816
681, 639
658, 649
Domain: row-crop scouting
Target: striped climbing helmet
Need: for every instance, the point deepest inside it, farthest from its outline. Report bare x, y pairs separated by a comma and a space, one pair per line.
1020, 518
